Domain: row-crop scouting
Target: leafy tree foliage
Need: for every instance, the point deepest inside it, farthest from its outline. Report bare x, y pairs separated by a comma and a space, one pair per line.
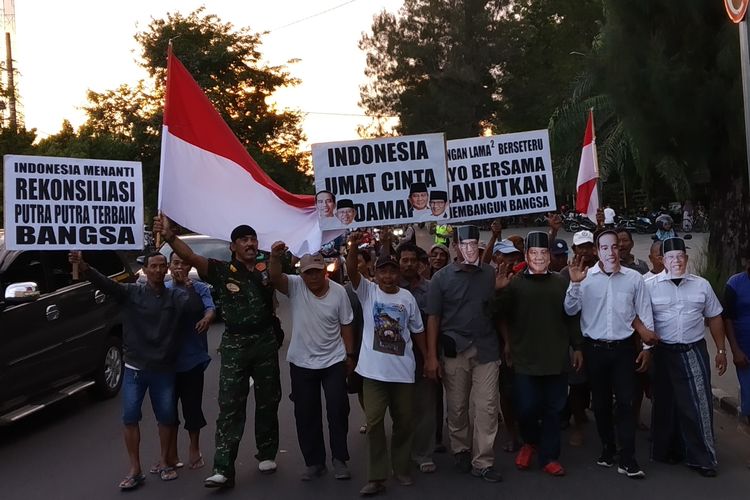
432, 66
225, 61
672, 71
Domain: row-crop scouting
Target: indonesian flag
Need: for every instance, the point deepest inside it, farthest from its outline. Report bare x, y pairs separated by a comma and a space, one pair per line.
210, 183
587, 194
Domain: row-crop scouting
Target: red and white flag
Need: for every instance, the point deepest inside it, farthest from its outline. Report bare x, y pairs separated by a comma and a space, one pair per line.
210, 183
587, 193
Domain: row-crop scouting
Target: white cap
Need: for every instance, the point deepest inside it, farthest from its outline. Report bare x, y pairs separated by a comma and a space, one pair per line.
582, 237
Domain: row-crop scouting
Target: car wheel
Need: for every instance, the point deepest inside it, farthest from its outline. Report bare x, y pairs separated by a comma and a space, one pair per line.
108, 376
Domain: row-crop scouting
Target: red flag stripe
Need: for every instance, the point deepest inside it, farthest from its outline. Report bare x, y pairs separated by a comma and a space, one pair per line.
583, 196
588, 137
190, 116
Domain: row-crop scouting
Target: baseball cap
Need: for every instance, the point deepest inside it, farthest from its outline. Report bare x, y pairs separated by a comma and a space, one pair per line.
504, 246
385, 260
314, 261
583, 237
559, 247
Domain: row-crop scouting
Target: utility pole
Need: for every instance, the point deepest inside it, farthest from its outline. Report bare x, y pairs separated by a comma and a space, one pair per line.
9, 26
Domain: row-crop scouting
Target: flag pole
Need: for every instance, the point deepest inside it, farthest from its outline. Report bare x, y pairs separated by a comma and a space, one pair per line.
596, 164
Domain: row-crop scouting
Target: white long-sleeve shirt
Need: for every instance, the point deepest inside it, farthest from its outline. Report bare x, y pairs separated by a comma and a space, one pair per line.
609, 304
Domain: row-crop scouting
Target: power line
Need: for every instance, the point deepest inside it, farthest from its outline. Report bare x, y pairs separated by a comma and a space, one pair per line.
311, 16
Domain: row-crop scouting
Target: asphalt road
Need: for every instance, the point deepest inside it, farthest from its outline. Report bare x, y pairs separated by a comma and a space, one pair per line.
75, 451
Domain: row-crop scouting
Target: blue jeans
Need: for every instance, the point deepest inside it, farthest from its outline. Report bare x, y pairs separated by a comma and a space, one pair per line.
539, 401
161, 390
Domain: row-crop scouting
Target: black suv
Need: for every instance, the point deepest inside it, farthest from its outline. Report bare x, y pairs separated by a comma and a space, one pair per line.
57, 336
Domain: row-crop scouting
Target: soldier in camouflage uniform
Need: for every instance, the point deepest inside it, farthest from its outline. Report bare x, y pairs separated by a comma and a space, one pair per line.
249, 348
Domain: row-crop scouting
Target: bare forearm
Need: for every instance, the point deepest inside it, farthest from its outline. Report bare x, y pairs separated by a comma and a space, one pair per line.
347, 335
419, 340
716, 327
730, 335
433, 325
351, 266
186, 253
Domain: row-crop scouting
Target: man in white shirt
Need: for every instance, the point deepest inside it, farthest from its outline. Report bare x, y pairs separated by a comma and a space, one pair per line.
609, 216
386, 363
610, 297
682, 416
320, 354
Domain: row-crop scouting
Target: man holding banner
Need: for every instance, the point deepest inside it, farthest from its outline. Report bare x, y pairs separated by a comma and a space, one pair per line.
248, 348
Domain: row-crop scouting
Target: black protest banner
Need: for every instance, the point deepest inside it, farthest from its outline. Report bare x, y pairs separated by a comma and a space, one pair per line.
501, 175
382, 181
66, 203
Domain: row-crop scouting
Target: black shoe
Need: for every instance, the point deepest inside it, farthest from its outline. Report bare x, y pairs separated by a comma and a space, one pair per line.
705, 471
632, 470
440, 448
489, 474
463, 461
606, 459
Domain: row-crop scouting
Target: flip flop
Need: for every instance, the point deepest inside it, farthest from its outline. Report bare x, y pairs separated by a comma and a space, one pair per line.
427, 467
197, 464
167, 474
132, 482
156, 468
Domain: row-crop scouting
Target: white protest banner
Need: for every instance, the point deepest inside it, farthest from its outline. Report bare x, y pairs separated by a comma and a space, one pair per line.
383, 181
501, 175
70, 203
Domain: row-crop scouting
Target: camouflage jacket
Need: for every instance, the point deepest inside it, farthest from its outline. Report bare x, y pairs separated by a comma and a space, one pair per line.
246, 297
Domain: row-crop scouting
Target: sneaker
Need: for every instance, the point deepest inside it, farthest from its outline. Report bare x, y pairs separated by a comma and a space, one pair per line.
606, 459
525, 454
489, 474
340, 470
313, 471
633, 471
372, 488
267, 467
705, 471
219, 481
404, 479
463, 461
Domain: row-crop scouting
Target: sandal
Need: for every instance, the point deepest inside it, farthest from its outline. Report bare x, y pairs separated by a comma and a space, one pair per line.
427, 467
156, 468
197, 464
132, 482
167, 474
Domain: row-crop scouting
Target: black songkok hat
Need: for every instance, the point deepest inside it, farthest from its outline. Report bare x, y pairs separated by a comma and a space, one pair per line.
673, 244
468, 233
242, 231
439, 195
417, 187
537, 239
345, 203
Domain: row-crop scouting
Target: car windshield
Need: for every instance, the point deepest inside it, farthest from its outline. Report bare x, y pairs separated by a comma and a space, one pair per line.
210, 248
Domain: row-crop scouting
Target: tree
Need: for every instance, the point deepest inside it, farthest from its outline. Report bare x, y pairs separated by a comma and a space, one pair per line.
14, 142
672, 72
226, 63
540, 47
432, 66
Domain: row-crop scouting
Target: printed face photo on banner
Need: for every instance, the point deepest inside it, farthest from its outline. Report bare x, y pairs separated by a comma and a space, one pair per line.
376, 182
72, 203
501, 175
326, 203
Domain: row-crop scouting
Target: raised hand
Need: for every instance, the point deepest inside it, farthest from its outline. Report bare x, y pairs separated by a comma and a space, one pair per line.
497, 228
577, 269
278, 249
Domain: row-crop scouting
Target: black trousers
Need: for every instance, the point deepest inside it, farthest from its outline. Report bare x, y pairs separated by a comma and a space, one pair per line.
308, 411
189, 394
611, 371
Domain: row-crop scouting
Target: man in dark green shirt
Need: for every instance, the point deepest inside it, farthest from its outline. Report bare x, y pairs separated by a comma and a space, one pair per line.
538, 334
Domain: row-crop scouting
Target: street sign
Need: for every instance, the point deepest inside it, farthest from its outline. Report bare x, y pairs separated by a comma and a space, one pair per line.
736, 9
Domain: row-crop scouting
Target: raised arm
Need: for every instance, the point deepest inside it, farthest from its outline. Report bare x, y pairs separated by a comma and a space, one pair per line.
351, 259
497, 233
278, 278
109, 286
162, 226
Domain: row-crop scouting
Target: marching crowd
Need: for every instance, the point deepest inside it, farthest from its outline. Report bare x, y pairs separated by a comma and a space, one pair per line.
515, 331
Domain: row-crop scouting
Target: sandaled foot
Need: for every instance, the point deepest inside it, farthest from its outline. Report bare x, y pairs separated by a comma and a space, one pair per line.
132, 482
167, 474
427, 467
197, 463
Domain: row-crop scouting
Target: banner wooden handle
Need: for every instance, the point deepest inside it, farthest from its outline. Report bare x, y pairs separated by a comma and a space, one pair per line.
76, 275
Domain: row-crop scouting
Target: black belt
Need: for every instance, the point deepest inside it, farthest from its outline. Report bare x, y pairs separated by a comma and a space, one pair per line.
680, 347
608, 343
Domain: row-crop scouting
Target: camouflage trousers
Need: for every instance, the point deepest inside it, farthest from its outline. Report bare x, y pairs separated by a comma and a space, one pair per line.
242, 357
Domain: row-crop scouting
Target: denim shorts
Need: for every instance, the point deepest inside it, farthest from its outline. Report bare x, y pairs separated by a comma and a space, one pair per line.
161, 391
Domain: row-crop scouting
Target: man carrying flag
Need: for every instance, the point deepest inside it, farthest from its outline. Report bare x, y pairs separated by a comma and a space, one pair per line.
587, 193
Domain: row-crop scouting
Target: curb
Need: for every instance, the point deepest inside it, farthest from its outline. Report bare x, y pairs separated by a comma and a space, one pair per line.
726, 403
